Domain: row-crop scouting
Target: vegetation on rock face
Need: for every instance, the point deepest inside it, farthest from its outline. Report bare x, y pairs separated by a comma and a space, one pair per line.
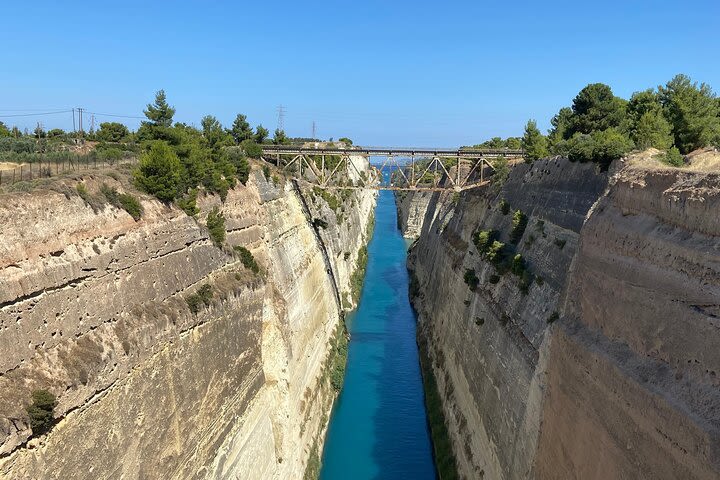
673, 157
519, 222
483, 239
40, 411
338, 359
124, 201
504, 207
502, 171
471, 279
441, 443
216, 226
247, 258
202, 297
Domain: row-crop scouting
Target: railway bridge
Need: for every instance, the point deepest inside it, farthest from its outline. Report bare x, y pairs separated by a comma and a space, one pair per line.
418, 169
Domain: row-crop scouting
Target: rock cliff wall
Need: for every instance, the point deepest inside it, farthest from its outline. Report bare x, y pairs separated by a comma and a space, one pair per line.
93, 308
605, 364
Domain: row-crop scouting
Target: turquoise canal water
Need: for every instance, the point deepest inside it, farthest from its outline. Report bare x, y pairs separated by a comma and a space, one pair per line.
378, 428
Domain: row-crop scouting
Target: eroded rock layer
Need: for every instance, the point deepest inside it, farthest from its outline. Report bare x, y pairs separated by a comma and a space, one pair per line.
603, 366
93, 308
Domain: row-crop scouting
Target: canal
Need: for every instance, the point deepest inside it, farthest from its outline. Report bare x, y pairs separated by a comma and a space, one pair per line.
378, 428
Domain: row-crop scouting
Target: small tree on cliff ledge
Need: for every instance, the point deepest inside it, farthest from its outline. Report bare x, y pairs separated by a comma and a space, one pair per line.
533, 142
159, 172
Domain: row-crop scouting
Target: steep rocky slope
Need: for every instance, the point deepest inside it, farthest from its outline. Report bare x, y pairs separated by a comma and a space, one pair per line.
93, 308
605, 364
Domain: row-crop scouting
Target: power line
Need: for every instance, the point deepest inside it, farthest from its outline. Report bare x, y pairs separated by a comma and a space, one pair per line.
35, 114
116, 115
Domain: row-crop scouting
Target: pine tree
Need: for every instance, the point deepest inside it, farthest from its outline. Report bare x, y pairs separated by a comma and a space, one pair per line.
533, 142
261, 134
241, 129
692, 110
160, 113
280, 138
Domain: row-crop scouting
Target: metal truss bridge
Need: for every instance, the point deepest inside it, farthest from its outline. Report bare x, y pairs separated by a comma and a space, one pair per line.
414, 169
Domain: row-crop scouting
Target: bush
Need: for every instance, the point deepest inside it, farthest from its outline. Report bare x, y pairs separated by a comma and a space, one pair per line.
504, 207
82, 191
216, 226
251, 149
247, 259
202, 297
518, 265
124, 201
502, 171
471, 278
560, 243
188, 203
332, 201
159, 172
266, 172
483, 240
673, 157
110, 155
41, 411
553, 317
519, 222
494, 279
496, 253
601, 147
235, 157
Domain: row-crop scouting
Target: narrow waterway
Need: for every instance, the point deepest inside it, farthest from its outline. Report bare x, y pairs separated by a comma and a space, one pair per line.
378, 428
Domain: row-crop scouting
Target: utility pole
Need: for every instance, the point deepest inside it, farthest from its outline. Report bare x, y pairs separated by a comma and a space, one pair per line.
92, 122
281, 117
74, 129
313, 131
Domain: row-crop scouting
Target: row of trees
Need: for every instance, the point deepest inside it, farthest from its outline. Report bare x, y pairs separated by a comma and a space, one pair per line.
679, 117
178, 158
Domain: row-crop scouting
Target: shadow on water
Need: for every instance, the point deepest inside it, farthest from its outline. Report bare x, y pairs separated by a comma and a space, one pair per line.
378, 428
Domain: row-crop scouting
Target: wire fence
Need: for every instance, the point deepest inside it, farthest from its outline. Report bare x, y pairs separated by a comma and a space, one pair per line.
37, 170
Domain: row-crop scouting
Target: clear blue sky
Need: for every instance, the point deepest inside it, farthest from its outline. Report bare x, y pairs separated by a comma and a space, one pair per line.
443, 73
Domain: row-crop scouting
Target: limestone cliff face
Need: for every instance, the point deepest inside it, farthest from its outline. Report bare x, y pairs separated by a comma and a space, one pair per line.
606, 367
632, 383
411, 208
93, 308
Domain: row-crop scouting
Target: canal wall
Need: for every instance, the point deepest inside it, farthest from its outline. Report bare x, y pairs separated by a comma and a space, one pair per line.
93, 308
594, 356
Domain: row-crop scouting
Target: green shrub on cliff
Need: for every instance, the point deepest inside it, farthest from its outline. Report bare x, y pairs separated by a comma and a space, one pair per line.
358, 275
216, 226
159, 172
202, 297
496, 253
672, 157
188, 203
504, 207
339, 360
519, 222
502, 171
471, 279
124, 201
483, 240
247, 258
40, 411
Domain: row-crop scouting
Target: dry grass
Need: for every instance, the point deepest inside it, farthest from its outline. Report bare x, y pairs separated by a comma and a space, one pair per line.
702, 160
